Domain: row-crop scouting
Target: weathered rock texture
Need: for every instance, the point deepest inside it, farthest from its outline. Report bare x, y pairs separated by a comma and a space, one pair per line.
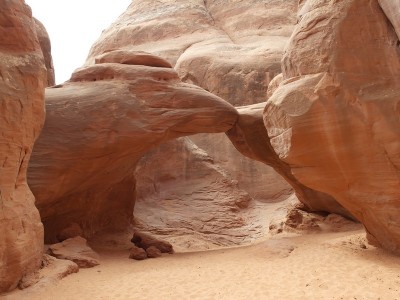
153, 252
137, 253
392, 11
335, 119
22, 83
52, 270
77, 250
250, 137
230, 48
206, 209
99, 124
291, 217
260, 181
145, 241
71, 231
45, 45
209, 36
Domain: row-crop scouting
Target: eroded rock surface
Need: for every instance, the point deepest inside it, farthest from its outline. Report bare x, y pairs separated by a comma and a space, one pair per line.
392, 10
230, 48
51, 271
335, 119
45, 45
146, 241
97, 127
153, 252
206, 210
76, 250
22, 83
250, 137
204, 39
137, 253
293, 219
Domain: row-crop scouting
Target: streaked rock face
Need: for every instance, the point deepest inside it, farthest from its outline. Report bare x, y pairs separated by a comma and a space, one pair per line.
206, 210
22, 83
231, 48
335, 119
250, 138
99, 124
391, 9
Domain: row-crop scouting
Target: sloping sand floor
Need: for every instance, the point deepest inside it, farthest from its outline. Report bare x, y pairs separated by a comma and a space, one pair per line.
316, 266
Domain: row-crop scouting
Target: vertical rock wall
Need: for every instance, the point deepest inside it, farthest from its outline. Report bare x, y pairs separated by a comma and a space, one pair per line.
22, 83
335, 119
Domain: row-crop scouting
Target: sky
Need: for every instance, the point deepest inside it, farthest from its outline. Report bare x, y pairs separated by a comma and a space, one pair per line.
73, 27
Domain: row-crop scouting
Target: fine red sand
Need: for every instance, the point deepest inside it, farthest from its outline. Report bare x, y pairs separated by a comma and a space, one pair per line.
314, 266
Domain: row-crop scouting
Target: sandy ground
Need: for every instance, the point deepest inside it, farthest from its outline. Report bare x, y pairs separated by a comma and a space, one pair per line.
314, 266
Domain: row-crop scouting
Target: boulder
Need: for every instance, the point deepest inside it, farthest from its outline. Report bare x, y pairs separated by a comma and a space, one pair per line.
143, 240
76, 250
51, 271
153, 252
137, 253
186, 197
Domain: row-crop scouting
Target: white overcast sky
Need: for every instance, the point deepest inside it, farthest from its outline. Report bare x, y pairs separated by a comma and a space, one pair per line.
73, 26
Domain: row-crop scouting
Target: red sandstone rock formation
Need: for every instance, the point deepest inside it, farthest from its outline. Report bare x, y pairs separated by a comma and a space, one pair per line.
192, 201
97, 127
250, 137
137, 253
230, 48
153, 252
335, 119
392, 10
22, 83
76, 250
45, 45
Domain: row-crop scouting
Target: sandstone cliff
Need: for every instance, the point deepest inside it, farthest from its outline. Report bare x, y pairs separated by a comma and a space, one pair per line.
335, 117
22, 82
